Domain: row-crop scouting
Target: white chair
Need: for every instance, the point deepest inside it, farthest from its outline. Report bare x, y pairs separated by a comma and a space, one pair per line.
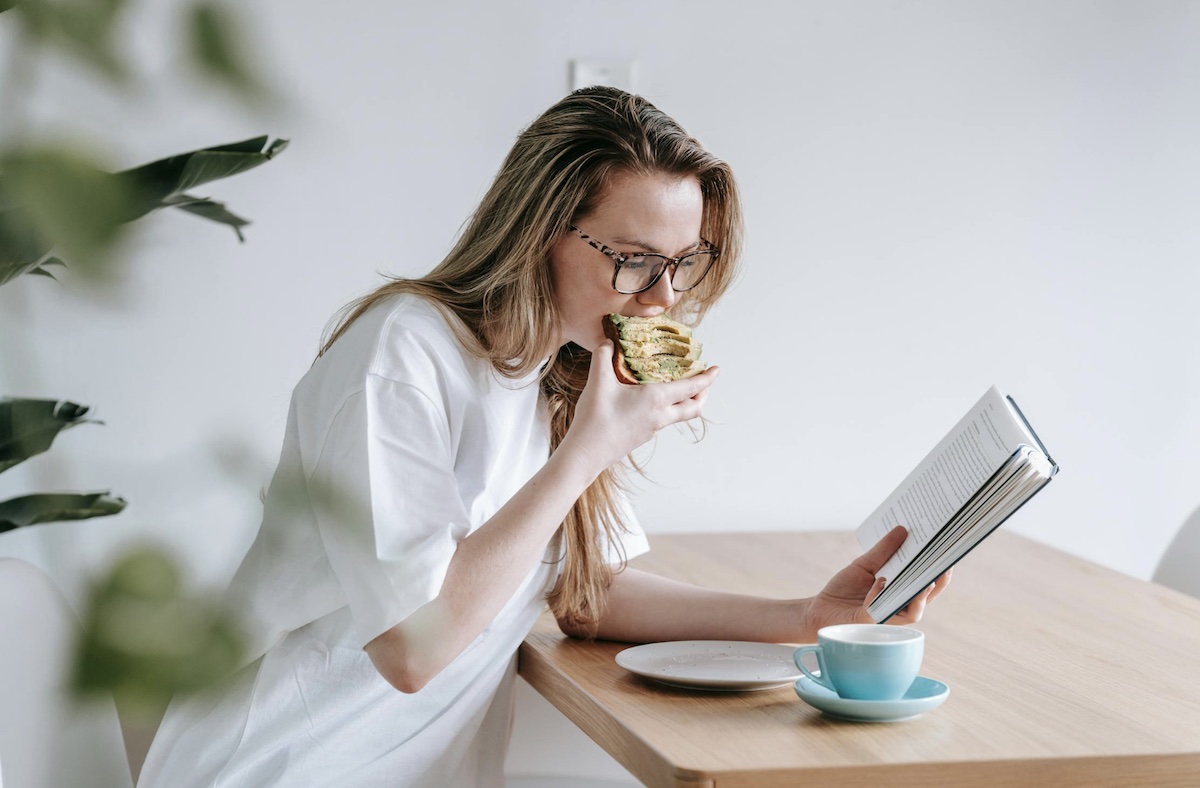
48, 738
1180, 564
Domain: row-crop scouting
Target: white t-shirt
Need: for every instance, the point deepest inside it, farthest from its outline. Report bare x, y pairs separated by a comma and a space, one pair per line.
399, 444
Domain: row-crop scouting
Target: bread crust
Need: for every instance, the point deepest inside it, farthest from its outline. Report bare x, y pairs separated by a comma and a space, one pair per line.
620, 367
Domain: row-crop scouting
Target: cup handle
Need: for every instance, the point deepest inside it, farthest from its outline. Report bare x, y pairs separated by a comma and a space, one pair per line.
823, 679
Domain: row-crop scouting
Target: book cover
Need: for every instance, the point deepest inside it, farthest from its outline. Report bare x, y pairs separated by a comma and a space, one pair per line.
977, 476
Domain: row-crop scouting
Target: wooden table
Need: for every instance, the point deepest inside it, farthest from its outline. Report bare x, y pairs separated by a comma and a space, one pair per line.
1062, 673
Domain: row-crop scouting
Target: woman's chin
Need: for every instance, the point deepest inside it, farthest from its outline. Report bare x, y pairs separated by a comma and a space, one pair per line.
594, 342
590, 341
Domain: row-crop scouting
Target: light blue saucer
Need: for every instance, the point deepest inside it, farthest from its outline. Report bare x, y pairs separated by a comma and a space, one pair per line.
923, 695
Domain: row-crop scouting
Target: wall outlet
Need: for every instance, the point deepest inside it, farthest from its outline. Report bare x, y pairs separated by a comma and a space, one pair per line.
615, 73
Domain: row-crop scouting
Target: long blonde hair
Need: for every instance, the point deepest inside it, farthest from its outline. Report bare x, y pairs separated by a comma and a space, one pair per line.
496, 281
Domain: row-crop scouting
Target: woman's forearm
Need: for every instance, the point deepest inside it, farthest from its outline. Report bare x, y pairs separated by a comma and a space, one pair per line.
486, 570
643, 607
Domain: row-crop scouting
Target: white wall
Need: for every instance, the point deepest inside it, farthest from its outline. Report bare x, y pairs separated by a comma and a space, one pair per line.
940, 196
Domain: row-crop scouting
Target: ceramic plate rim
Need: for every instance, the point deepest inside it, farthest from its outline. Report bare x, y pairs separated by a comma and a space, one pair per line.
636, 663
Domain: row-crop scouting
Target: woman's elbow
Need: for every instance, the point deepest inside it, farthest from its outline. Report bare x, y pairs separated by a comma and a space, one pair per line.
404, 677
405, 681
396, 665
574, 628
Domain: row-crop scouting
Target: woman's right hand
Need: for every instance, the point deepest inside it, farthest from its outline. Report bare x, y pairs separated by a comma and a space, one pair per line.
613, 418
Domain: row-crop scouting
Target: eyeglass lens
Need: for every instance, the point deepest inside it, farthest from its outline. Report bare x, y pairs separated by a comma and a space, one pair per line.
638, 272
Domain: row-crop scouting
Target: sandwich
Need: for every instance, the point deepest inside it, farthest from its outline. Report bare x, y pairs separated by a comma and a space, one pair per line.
652, 349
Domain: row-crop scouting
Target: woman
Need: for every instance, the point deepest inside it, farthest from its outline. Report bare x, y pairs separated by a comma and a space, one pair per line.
451, 463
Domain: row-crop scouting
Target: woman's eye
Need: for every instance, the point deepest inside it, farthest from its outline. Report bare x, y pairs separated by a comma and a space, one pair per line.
636, 262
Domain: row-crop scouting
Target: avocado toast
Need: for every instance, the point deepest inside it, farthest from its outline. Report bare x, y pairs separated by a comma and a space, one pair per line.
652, 349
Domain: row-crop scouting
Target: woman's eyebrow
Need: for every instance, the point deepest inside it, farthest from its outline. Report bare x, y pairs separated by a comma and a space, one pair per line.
640, 244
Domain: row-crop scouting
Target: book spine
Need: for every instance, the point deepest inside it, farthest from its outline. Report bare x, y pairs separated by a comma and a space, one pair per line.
1041, 446
980, 541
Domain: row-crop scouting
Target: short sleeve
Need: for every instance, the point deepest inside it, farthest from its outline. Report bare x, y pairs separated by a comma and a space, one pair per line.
387, 503
633, 541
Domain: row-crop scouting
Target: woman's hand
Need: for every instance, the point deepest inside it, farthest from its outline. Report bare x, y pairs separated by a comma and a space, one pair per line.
613, 418
845, 597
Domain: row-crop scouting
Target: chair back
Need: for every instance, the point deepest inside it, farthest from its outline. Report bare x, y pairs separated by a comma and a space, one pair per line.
48, 738
1179, 567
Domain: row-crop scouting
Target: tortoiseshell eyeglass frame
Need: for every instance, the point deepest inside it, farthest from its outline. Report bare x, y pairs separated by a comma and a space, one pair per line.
620, 260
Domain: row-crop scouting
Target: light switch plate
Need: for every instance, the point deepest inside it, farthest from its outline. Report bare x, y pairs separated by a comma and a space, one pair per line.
615, 73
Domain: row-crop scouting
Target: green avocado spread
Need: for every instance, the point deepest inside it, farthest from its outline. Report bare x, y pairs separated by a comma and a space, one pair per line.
657, 349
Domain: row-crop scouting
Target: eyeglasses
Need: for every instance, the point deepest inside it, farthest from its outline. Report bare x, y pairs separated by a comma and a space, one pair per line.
636, 273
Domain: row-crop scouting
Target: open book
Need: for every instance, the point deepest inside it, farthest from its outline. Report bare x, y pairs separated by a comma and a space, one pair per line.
990, 464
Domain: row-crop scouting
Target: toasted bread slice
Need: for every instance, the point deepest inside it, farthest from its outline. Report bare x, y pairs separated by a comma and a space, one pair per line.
652, 349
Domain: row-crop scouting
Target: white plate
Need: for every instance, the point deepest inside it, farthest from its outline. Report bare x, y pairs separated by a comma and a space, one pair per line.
923, 695
713, 664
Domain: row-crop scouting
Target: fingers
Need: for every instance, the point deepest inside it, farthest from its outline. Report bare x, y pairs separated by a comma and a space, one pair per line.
875, 591
686, 411
695, 395
602, 363
915, 609
940, 584
658, 405
680, 391
874, 559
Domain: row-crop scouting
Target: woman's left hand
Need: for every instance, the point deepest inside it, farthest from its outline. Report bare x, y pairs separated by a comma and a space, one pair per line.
845, 597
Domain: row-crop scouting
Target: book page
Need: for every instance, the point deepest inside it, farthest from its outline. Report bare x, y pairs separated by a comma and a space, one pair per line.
1029, 472
983, 440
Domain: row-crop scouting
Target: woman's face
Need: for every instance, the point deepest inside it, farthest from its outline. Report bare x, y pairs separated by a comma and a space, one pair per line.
636, 213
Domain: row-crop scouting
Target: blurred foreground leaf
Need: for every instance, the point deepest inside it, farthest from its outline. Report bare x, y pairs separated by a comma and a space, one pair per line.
146, 640
56, 507
41, 268
56, 197
21, 247
29, 426
218, 51
83, 28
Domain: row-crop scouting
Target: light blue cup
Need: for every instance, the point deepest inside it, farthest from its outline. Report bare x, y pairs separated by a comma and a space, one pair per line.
866, 661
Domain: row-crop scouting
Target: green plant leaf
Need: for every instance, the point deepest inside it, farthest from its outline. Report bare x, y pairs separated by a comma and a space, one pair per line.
55, 197
209, 209
83, 28
146, 639
165, 182
29, 426
22, 247
218, 52
54, 507
41, 270
66, 197
5, 5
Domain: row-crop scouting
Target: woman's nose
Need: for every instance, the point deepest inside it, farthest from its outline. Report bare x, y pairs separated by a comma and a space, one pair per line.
662, 294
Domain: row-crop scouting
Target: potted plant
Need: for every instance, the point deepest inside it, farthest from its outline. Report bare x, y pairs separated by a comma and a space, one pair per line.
144, 637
